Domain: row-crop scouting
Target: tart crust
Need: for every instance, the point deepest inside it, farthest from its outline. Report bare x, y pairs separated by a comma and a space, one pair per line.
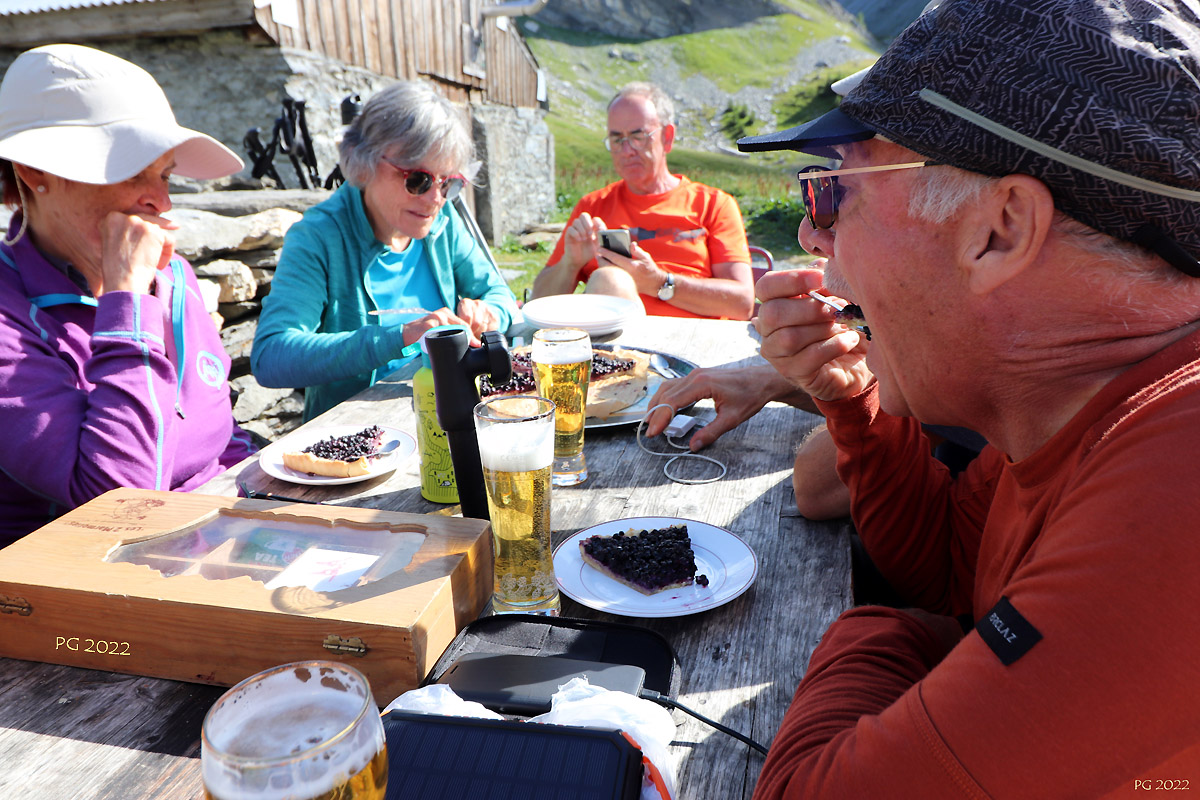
308, 463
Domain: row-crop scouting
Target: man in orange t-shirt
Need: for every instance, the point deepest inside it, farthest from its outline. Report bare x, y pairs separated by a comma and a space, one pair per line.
688, 254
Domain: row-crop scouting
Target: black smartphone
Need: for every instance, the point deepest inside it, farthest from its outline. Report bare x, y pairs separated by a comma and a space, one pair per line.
617, 240
523, 685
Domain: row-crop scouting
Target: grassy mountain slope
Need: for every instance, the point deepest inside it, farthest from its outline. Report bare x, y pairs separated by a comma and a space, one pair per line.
768, 73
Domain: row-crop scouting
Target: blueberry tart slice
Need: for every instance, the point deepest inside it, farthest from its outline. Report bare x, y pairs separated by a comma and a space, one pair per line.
649, 561
338, 456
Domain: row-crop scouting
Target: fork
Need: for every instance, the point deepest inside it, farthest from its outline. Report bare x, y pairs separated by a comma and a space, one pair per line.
836, 305
253, 495
375, 312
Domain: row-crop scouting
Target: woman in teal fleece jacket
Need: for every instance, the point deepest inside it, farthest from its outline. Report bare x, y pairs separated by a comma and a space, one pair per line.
387, 238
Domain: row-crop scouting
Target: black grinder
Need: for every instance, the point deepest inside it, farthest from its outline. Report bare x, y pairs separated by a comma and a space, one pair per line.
456, 365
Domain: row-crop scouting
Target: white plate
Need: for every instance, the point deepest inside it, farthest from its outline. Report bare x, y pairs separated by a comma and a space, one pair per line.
597, 314
271, 457
729, 563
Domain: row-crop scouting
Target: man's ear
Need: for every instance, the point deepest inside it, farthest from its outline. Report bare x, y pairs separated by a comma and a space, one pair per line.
668, 134
1011, 223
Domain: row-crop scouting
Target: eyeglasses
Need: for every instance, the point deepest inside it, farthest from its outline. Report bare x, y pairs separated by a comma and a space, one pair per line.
420, 181
822, 194
637, 140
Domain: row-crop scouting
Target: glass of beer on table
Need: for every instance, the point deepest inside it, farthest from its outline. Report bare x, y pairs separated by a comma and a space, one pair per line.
516, 449
562, 367
309, 730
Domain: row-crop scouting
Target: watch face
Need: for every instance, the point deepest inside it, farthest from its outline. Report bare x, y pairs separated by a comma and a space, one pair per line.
667, 291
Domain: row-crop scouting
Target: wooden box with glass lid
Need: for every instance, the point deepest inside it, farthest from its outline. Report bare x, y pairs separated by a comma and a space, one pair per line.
213, 589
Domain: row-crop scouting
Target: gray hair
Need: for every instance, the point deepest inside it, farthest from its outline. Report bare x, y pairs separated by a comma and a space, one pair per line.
664, 109
939, 193
408, 121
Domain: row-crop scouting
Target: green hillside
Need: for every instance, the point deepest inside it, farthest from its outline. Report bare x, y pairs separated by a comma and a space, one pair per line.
585, 69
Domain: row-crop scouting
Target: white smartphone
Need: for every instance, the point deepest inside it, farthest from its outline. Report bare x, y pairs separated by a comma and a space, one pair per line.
617, 240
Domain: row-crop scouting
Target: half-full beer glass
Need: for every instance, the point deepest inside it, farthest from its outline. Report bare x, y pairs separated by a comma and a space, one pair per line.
516, 448
562, 367
303, 731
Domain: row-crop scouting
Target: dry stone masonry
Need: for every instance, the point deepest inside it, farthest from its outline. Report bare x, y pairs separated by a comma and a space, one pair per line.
232, 240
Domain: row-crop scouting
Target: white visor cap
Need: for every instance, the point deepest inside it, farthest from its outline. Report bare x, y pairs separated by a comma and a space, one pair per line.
88, 116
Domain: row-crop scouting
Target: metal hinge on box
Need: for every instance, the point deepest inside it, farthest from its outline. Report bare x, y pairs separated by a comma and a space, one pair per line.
15, 605
353, 646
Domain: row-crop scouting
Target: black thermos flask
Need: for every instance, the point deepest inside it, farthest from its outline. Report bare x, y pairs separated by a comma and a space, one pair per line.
455, 367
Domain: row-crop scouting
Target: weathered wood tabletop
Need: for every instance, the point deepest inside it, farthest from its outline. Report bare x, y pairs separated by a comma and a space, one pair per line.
75, 733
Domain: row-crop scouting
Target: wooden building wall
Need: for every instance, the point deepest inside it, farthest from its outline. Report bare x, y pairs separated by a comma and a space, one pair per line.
472, 58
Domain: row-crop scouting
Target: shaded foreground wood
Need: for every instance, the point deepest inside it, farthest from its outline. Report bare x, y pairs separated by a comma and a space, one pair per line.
741, 662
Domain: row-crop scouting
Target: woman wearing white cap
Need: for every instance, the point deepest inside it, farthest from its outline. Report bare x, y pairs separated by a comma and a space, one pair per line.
387, 239
111, 372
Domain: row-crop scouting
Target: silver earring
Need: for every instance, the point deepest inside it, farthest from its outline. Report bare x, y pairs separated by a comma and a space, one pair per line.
41, 189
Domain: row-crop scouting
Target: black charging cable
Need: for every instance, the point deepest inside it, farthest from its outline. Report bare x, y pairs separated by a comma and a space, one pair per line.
662, 699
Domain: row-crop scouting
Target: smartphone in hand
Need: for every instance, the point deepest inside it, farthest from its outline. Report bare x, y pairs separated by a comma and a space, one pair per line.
617, 240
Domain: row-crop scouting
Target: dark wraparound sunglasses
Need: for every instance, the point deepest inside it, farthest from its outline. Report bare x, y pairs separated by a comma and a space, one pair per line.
821, 193
420, 181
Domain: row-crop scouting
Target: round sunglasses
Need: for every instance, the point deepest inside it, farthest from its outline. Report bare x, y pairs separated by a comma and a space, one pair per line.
419, 181
822, 195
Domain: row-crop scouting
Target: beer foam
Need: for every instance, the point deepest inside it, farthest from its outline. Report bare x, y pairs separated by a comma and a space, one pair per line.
273, 721
516, 447
564, 353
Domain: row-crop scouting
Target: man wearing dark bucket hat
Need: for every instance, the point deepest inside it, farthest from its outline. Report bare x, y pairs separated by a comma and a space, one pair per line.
1017, 214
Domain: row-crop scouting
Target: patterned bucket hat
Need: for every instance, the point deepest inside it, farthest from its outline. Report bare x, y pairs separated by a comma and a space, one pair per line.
1099, 99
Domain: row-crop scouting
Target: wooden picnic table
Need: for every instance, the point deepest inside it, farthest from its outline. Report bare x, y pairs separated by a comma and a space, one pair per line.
74, 733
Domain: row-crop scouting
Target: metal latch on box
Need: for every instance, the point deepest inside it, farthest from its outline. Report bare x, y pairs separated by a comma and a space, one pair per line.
15, 605
353, 646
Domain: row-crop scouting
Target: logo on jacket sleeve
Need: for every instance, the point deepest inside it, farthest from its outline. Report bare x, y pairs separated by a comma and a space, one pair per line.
1008, 633
210, 369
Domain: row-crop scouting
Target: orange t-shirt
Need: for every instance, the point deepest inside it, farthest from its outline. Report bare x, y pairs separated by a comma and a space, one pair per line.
685, 230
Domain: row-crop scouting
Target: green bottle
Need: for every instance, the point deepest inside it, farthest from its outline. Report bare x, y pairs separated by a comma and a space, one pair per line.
437, 470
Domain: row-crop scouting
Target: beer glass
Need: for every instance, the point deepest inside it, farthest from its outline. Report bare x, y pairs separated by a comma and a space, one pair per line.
562, 367
516, 449
309, 730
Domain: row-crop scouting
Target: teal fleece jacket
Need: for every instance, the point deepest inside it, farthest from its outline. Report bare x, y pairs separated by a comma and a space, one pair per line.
314, 331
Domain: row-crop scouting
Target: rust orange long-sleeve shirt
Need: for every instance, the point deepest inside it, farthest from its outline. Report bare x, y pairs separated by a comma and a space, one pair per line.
1080, 567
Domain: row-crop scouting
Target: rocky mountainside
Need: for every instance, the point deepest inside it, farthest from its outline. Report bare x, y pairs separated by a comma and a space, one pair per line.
766, 59
886, 18
709, 55
646, 19
642, 19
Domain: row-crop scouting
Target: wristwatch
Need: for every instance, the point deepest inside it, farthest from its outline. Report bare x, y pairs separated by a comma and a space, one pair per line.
667, 290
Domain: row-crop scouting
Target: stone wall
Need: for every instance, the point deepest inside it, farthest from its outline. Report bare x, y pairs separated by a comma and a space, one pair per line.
232, 240
223, 85
510, 196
